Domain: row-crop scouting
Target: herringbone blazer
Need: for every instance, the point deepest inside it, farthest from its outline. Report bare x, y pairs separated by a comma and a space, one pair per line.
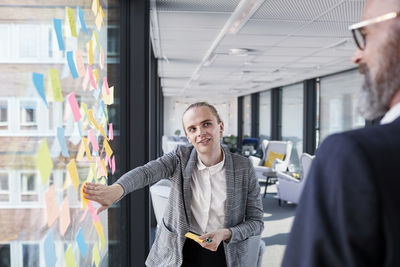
243, 210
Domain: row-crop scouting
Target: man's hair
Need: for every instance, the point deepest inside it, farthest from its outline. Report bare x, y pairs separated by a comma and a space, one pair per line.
203, 104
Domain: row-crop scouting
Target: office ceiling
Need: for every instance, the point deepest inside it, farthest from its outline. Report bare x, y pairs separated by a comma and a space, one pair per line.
286, 40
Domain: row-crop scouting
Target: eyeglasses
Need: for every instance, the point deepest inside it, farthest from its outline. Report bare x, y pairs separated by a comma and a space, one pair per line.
357, 29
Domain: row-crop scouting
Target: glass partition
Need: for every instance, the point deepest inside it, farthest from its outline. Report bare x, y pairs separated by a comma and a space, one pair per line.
58, 128
265, 115
247, 116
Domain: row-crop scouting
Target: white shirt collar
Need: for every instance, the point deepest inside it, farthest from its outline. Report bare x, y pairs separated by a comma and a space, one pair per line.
392, 114
213, 169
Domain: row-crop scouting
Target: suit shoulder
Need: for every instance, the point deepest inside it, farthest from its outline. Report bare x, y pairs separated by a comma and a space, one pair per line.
239, 160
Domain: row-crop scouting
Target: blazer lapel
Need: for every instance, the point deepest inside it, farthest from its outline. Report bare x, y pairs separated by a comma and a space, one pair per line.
187, 176
230, 186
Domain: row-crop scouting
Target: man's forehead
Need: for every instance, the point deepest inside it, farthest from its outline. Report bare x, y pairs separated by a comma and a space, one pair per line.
375, 8
197, 115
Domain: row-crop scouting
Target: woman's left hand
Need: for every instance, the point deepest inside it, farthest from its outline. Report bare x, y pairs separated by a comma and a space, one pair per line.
216, 238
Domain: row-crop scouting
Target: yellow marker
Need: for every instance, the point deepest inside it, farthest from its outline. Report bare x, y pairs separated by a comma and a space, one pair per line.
194, 237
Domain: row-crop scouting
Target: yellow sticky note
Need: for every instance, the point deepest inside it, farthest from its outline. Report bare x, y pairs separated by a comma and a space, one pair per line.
81, 152
49, 90
85, 201
194, 237
69, 258
101, 12
52, 210
95, 253
109, 98
95, 7
43, 161
103, 133
98, 21
92, 120
100, 232
106, 145
71, 21
96, 75
90, 176
65, 218
89, 47
87, 149
56, 85
96, 38
73, 173
84, 106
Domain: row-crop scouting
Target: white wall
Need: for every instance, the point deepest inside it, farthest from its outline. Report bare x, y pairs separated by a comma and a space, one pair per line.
175, 106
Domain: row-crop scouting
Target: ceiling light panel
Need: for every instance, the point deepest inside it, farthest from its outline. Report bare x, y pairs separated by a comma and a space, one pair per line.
198, 6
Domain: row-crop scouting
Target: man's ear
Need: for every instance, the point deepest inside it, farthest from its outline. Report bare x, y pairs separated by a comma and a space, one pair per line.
221, 128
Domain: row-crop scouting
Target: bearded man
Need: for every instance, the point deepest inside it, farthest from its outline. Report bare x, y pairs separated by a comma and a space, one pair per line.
349, 213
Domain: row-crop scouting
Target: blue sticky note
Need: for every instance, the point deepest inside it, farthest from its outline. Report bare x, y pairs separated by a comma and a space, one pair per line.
82, 20
58, 29
61, 141
50, 250
38, 81
81, 243
80, 128
71, 64
96, 93
104, 109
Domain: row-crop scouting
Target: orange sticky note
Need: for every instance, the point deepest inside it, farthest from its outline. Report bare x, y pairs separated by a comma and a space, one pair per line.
43, 161
85, 201
73, 173
80, 66
69, 258
52, 210
65, 218
100, 232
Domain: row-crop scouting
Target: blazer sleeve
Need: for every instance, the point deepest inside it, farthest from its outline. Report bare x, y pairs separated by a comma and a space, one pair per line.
253, 223
336, 221
150, 173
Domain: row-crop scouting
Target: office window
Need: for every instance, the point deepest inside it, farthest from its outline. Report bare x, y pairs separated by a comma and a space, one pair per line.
292, 121
29, 187
29, 41
247, 116
3, 114
28, 112
265, 115
338, 103
5, 255
30, 255
4, 188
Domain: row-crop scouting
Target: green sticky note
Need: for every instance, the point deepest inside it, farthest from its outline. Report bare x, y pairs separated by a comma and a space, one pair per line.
69, 257
56, 85
71, 20
43, 161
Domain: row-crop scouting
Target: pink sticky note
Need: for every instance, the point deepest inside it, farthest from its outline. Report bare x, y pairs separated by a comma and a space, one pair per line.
52, 209
85, 80
92, 82
105, 85
92, 140
93, 212
107, 160
113, 165
74, 106
80, 66
110, 132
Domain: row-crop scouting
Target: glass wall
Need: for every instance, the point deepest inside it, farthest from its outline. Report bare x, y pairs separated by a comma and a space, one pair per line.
59, 73
338, 103
265, 115
247, 116
292, 121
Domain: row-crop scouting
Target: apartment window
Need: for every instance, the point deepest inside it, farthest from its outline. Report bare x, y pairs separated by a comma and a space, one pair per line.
5, 255
3, 115
338, 103
4, 45
28, 113
29, 187
30, 255
265, 115
292, 121
4, 188
28, 41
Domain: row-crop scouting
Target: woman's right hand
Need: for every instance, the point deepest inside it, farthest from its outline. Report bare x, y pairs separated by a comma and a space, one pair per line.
105, 195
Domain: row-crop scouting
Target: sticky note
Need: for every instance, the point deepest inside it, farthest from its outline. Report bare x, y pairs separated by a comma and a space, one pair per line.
69, 258
96, 38
109, 99
43, 161
61, 141
89, 47
98, 21
71, 21
71, 64
95, 7
92, 120
56, 85
38, 81
194, 237
101, 58
93, 212
92, 140
113, 165
106, 145
85, 81
110, 131
80, 66
74, 106
50, 249
85, 110
75, 137
87, 149
65, 218
52, 210
85, 201
96, 76
100, 232
81, 16
84, 215
81, 243
95, 252
81, 152
73, 172
58, 29
92, 82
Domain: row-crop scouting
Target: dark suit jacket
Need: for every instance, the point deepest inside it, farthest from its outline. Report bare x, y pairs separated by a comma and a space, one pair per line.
349, 213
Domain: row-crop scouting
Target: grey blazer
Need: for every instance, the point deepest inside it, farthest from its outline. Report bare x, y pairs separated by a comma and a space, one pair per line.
243, 210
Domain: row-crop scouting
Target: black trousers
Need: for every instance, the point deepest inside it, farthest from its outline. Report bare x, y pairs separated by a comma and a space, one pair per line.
195, 255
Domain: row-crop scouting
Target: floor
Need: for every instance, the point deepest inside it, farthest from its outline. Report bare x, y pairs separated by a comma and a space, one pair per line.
277, 223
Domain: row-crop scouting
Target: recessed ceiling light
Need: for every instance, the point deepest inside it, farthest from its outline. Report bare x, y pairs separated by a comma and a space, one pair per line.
238, 51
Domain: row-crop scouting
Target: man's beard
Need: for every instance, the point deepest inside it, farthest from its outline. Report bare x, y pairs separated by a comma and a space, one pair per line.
376, 92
